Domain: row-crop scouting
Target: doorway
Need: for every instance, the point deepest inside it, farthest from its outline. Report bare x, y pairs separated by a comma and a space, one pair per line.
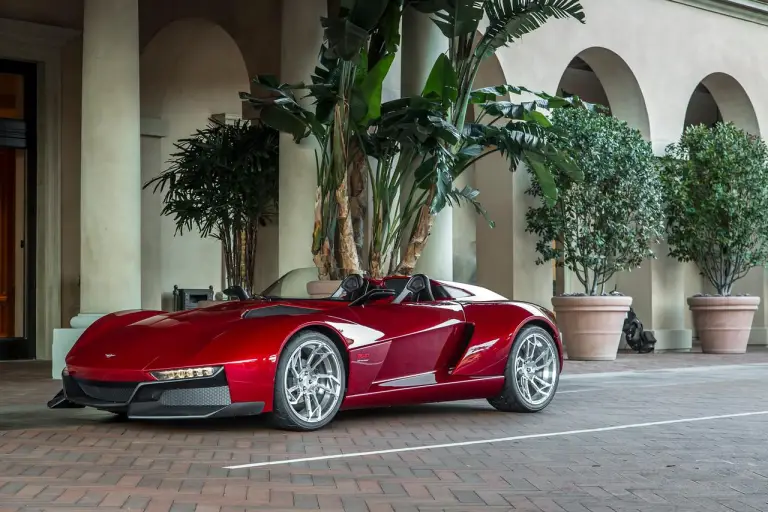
18, 152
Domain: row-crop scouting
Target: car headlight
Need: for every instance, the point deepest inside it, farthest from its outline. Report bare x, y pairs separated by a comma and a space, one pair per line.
187, 373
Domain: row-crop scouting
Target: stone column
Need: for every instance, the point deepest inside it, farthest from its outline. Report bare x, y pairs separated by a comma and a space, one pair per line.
110, 204
302, 36
499, 266
110, 179
422, 43
464, 234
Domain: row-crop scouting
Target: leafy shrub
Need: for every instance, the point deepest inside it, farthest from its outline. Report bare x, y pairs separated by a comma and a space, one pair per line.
715, 185
607, 222
223, 180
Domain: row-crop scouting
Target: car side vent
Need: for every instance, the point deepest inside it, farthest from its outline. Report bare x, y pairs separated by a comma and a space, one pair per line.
277, 310
462, 345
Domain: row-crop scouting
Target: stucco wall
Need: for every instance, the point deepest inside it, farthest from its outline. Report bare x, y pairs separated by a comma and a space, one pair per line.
668, 49
649, 56
208, 73
60, 13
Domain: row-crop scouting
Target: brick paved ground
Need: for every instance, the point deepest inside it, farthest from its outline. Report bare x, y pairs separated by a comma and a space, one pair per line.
79, 460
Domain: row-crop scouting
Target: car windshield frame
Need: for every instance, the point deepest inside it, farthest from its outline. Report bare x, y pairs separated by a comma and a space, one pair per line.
293, 285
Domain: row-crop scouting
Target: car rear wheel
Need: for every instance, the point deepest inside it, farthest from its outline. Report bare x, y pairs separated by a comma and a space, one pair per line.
532, 373
309, 383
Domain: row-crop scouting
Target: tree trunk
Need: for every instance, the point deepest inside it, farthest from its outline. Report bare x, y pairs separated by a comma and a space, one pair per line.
321, 247
418, 239
251, 244
376, 269
348, 259
323, 261
358, 198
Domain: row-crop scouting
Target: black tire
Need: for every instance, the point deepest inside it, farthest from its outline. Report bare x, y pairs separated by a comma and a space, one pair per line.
283, 415
511, 398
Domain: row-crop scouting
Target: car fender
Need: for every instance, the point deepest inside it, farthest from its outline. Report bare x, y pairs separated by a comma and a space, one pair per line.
496, 325
251, 349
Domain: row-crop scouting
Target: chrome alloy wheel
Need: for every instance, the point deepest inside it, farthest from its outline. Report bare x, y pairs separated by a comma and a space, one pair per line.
536, 369
313, 381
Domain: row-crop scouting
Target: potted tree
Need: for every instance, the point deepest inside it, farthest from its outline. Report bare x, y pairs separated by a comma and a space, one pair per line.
717, 217
603, 224
223, 181
425, 137
359, 45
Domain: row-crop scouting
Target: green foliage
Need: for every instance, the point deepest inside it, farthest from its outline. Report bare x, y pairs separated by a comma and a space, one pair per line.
606, 222
223, 181
425, 137
716, 192
341, 101
522, 137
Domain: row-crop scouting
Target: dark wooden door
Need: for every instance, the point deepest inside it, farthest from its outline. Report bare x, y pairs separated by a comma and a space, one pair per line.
7, 241
18, 129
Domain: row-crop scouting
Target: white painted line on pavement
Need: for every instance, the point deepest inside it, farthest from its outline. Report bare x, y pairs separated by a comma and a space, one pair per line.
585, 390
687, 369
667, 385
497, 440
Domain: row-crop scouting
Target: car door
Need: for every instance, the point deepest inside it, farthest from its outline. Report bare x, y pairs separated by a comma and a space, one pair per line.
417, 339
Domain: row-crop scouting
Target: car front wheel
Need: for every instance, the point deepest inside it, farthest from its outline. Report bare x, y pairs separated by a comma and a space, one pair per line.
309, 383
532, 373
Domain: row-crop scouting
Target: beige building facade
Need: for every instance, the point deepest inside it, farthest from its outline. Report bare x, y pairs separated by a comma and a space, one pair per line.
94, 94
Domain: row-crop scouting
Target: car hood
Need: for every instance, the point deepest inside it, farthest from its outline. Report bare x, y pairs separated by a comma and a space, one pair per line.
171, 340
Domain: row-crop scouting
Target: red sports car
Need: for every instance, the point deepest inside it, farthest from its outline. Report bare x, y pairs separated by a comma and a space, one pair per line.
371, 343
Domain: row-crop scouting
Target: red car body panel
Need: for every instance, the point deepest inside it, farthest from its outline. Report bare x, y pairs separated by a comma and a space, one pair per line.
449, 349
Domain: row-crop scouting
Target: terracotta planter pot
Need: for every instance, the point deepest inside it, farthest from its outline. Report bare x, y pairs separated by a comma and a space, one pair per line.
723, 323
322, 289
591, 326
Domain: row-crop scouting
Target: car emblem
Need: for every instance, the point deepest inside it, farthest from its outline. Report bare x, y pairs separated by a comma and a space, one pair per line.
109, 355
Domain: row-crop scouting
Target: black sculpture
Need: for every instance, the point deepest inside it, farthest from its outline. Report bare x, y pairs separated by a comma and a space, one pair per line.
636, 337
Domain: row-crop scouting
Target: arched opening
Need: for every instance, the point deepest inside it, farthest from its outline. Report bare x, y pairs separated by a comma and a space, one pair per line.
192, 69
720, 97
580, 79
598, 75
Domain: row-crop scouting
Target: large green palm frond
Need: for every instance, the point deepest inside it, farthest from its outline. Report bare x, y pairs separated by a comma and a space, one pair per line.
454, 18
457, 196
509, 20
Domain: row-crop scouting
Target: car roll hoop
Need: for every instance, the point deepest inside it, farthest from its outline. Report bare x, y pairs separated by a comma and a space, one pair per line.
417, 285
359, 290
354, 285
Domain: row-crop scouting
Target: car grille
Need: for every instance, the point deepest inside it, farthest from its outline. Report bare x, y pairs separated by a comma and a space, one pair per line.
194, 397
107, 391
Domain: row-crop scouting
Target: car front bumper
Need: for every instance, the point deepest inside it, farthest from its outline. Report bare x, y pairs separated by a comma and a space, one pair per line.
203, 397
